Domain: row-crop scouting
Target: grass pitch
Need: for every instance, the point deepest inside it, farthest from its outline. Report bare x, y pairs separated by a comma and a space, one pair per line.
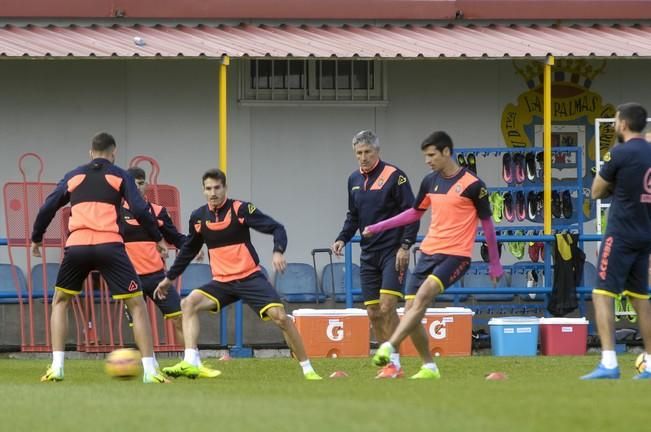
541, 394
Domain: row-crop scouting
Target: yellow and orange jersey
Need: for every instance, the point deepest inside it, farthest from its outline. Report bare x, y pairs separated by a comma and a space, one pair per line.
457, 202
95, 192
226, 233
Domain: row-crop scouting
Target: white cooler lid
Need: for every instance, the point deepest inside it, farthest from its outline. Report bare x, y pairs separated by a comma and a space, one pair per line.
329, 312
564, 321
514, 321
443, 311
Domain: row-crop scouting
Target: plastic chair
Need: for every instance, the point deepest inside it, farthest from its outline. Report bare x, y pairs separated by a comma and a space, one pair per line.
297, 284
477, 277
8, 291
195, 276
336, 285
52, 270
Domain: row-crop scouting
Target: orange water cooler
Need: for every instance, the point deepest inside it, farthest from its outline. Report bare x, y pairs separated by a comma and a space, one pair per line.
449, 331
334, 332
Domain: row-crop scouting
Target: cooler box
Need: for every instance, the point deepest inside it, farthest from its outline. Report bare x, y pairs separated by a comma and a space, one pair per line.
334, 332
449, 331
563, 336
514, 336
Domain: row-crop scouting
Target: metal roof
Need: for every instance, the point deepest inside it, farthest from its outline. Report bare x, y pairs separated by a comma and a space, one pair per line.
389, 41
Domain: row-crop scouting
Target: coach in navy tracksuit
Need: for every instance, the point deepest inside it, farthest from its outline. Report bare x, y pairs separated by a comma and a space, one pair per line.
378, 191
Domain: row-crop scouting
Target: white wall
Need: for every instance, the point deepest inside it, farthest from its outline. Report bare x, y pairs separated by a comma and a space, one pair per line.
292, 162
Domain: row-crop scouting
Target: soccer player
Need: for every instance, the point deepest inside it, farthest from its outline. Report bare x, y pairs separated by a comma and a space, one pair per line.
224, 224
623, 264
95, 192
148, 263
458, 198
378, 191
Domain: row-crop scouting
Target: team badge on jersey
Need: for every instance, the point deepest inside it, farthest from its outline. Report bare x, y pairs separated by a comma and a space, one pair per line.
402, 180
251, 208
607, 157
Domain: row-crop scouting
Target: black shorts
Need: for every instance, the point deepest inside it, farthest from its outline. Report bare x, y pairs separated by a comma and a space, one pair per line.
447, 269
170, 306
109, 259
623, 268
254, 290
378, 275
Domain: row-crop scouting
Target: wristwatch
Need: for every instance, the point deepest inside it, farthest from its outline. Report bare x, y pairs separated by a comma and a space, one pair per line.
405, 246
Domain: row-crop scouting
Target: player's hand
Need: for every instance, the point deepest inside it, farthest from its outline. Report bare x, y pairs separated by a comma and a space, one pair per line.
367, 233
278, 262
496, 275
36, 249
338, 248
200, 256
161, 246
402, 260
161, 290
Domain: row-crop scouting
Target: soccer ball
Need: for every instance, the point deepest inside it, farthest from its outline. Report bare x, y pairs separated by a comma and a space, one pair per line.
123, 363
640, 363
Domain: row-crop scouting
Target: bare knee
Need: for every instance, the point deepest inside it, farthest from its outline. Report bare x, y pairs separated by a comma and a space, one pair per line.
190, 304
374, 313
61, 299
177, 322
278, 316
387, 308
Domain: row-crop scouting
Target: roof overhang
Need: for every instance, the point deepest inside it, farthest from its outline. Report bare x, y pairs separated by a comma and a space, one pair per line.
494, 41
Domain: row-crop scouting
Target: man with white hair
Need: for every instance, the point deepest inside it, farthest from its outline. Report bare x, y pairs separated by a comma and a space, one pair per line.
377, 191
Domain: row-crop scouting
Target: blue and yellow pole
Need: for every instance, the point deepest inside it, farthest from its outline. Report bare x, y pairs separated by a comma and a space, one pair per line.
547, 143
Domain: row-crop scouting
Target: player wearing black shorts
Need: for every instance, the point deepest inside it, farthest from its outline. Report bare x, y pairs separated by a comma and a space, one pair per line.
95, 192
378, 191
623, 264
223, 225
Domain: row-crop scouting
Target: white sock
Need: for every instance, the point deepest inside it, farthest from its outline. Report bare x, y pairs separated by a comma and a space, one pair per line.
148, 365
647, 359
191, 356
57, 359
307, 366
199, 363
609, 359
395, 359
431, 366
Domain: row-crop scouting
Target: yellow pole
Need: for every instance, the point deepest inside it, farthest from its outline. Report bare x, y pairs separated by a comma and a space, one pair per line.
547, 139
223, 136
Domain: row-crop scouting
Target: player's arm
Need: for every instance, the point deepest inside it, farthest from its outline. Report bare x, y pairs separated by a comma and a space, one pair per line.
260, 222
603, 183
351, 224
601, 188
140, 208
169, 231
59, 197
405, 197
409, 216
189, 249
478, 193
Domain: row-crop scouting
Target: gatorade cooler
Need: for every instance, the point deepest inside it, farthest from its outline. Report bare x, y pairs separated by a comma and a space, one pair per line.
514, 336
449, 331
563, 336
334, 332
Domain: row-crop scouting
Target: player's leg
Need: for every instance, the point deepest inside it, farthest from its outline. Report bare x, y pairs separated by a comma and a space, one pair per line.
73, 271
124, 284
257, 292
613, 267
391, 291
638, 295
209, 297
371, 281
170, 306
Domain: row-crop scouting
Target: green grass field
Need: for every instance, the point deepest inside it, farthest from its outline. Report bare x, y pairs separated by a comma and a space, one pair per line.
541, 394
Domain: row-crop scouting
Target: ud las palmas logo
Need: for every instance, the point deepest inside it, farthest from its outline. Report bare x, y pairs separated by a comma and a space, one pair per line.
573, 103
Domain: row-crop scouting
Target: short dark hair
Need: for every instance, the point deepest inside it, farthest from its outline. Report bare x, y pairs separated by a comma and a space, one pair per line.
137, 173
438, 139
103, 141
215, 174
634, 114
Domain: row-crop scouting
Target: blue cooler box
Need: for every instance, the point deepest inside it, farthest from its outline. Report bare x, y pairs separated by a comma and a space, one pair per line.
514, 336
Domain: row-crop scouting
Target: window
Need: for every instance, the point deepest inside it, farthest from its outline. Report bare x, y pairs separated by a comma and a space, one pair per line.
313, 81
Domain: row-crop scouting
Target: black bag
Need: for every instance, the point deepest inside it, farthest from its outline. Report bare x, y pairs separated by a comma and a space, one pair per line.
568, 272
